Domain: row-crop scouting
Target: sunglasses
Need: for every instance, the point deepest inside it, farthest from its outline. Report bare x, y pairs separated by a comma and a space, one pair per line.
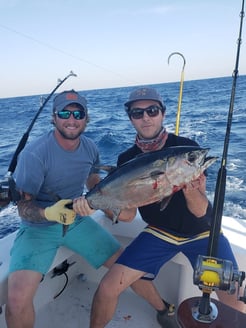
65, 114
138, 113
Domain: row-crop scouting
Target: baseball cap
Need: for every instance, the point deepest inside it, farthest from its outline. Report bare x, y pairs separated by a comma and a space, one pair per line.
144, 94
66, 98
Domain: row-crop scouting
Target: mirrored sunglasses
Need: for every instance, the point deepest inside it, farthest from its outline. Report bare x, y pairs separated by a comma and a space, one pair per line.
65, 114
138, 113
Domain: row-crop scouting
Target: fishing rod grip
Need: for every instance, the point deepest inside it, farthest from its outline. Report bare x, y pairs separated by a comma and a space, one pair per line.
69, 206
217, 212
21, 145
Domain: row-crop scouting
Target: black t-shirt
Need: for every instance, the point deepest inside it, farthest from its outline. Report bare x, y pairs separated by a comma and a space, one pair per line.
176, 217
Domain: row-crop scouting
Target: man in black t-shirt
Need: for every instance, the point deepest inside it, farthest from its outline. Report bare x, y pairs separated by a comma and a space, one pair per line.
183, 225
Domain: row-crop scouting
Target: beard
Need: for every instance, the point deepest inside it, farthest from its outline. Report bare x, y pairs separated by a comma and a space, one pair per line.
70, 135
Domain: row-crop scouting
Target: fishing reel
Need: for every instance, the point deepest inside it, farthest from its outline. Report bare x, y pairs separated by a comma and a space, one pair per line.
8, 192
211, 274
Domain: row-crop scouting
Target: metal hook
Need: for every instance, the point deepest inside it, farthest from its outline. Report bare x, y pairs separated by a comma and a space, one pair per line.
177, 53
180, 91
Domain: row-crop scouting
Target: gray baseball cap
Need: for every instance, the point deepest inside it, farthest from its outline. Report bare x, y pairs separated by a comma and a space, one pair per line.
66, 98
144, 94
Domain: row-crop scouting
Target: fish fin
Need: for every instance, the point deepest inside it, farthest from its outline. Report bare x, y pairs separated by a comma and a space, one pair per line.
116, 213
156, 174
165, 201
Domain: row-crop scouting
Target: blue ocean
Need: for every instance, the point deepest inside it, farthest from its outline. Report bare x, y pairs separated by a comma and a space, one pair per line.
204, 114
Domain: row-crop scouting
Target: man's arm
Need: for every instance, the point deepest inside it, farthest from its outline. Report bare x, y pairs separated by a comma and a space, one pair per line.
80, 204
28, 208
30, 211
92, 180
127, 215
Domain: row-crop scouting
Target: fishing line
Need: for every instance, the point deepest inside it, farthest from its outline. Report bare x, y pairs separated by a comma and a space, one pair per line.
221, 178
47, 45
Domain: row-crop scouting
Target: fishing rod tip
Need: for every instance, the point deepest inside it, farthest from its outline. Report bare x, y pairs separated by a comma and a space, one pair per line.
72, 73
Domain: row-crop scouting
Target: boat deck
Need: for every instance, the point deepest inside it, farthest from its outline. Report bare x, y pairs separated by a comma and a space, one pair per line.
72, 309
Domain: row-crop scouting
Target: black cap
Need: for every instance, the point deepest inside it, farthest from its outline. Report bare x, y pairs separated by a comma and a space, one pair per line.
144, 94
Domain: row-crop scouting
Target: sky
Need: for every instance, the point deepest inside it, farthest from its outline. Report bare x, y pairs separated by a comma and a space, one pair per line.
115, 43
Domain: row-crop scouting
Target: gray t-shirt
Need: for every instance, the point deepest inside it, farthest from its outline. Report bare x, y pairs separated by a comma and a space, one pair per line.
50, 173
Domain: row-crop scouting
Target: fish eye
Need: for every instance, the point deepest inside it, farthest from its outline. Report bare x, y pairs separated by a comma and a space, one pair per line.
192, 157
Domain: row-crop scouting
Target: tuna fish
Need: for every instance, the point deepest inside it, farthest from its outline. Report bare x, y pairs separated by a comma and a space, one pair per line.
148, 178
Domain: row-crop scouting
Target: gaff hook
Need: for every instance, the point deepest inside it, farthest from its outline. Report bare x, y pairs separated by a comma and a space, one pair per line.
180, 91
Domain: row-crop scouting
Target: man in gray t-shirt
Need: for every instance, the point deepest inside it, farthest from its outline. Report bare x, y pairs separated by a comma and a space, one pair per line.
51, 172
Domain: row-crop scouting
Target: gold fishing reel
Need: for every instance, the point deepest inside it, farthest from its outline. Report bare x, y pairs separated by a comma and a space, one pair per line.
211, 274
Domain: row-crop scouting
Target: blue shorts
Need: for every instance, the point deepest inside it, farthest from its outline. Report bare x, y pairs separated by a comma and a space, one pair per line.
35, 247
149, 253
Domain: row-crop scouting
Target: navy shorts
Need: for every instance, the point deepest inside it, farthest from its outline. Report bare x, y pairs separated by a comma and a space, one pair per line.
149, 253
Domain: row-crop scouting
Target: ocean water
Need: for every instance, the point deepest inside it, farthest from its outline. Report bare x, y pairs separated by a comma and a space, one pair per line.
204, 113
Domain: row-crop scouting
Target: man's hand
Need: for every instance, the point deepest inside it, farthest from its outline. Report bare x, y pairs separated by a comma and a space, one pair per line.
59, 213
195, 195
199, 183
81, 206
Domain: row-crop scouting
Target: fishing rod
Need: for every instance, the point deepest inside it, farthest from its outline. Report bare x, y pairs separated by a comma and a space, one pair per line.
180, 91
25, 136
207, 267
7, 186
221, 178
